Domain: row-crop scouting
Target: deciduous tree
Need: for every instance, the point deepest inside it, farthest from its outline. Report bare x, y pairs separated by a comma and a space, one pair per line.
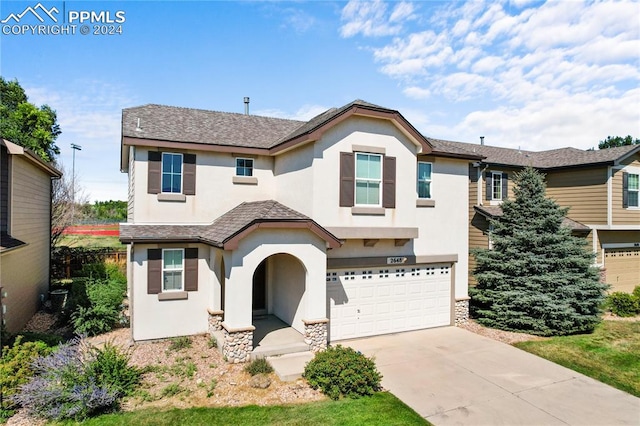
615, 141
25, 124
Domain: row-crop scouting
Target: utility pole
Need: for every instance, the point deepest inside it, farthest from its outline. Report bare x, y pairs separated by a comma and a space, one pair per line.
75, 148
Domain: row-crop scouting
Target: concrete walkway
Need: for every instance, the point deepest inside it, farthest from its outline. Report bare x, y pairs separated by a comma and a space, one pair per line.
451, 376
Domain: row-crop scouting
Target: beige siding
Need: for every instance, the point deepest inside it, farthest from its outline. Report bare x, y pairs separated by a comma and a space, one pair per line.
24, 271
622, 216
583, 190
478, 224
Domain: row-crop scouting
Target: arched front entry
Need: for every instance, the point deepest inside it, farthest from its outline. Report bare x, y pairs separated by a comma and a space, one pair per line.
279, 284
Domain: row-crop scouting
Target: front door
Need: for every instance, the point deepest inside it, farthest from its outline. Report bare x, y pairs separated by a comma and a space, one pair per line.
259, 303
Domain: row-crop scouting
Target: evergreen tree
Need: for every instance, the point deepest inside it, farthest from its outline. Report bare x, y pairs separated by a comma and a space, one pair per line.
537, 278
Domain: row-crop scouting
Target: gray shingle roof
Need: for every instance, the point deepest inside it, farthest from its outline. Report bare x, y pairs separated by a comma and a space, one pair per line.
177, 124
7, 242
562, 157
496, 211
220, 230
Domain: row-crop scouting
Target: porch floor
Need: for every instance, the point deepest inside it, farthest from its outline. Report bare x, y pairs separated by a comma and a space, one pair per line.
274, 337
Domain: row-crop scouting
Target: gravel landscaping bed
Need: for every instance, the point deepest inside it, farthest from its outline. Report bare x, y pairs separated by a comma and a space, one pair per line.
195, 376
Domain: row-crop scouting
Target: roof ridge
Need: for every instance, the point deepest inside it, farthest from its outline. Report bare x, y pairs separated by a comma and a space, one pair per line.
213, 111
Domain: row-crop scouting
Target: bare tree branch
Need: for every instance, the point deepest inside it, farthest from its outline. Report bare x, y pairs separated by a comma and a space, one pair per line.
62, 211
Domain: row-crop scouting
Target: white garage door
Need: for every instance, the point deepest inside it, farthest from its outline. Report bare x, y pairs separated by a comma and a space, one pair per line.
371, 301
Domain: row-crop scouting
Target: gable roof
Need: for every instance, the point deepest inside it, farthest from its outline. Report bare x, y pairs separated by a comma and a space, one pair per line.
544, 160
227, 230
491, 212
187, 128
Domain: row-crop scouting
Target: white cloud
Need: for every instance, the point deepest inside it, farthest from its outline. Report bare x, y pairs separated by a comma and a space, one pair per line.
539, 73
304, 113
371, 18
417, 92
89, 113
298, 20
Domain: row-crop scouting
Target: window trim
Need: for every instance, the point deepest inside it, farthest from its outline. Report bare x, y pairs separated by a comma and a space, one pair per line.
493, 186
430, 180
182, 270
379, 180
162, 172
244, 167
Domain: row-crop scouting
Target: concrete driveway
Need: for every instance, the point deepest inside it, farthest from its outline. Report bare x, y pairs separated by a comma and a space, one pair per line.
451, 376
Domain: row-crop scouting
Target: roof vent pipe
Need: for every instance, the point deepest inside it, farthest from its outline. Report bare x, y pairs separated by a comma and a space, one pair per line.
246, 105
481, 140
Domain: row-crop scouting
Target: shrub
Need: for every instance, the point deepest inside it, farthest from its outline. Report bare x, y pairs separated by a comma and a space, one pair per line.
48, 339
77, 381
115, 271
15, 369
110, 367
623, 304
103, 309
342, 372
636, 293
178, 343
258, 366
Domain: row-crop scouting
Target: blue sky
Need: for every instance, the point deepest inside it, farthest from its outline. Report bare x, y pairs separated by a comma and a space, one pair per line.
528, 74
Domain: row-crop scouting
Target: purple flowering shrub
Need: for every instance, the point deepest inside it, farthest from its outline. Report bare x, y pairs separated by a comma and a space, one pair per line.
66, 384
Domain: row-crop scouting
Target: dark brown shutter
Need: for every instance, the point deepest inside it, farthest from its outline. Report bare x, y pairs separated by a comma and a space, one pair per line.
189, 174
389, 182
154, 177
625, 190
489, 179
154, 271
191, 269
347, 179
505, 186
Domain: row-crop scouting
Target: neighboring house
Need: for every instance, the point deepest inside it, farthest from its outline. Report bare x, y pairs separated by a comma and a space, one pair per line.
599, 187
25, 232
351, 224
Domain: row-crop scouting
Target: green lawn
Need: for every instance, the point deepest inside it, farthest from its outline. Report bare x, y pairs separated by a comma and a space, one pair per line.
611, 354
380, 409
90, 241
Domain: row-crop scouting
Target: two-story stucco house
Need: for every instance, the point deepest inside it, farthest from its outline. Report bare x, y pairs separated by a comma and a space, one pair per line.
25, 232
351, 224
599, 187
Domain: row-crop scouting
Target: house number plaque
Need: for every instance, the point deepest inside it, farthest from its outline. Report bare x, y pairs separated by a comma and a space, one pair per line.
396, 260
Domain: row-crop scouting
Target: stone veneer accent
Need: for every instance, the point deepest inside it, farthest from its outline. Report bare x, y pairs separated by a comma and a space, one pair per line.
238, 344
215, 320
315, 334
462, 311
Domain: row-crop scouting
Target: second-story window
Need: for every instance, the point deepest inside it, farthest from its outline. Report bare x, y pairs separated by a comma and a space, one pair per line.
633, 190
244, 167
496, 190
424, 179
171, 172
368, 179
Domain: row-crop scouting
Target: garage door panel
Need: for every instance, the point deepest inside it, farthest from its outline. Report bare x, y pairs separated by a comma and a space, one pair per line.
622, 268
386, 300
